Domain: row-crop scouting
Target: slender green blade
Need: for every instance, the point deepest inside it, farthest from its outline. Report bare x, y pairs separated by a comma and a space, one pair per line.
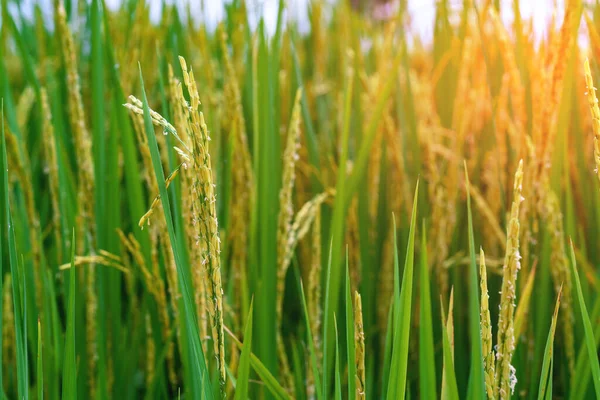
69, 381
241, 390
546, 373
18, 284
338, 380
350, 337
587, 326
402, 312
311, 344
476, 388
427, 379
40, 364
264, 374
196, 355
449, 364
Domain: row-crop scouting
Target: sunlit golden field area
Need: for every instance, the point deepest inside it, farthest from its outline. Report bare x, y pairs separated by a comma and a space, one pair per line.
338, 212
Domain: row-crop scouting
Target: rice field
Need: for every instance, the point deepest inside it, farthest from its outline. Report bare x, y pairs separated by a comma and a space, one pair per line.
342, 213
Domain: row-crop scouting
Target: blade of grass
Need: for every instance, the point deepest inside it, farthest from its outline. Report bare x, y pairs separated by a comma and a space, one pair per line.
263, 373
402, 311
196, 356
350, 337
427, 379
17, 284
476, 388
587, 326
311, 343
338, 381
40, 365
241, 390
69, 381
546, 377
450, 375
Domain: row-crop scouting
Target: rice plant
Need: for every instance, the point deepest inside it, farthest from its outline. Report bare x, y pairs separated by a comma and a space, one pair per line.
341, 210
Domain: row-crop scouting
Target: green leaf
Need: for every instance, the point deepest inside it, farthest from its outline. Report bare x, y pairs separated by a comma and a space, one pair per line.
18, 284
402, 311
450, 375
338, 381
546, 373
263, 373
587, 326
40, 364
241, 390
476, 388
311, 344
350, 337
427, 378
196, 355
69, 382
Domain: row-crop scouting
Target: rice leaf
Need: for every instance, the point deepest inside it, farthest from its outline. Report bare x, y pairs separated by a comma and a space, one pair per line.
427, 378
243, 376
546, 375
587, 326
402, 311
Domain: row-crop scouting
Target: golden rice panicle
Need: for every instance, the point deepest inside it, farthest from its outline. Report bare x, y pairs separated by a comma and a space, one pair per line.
593, 101
50, 156
505, 372
486, 330
359, 344
286, 204
205, 216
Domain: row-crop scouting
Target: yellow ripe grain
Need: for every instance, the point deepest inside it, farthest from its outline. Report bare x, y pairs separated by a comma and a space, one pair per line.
486, 330
595, 111
286, 205
505, 372
208, 244
359, 345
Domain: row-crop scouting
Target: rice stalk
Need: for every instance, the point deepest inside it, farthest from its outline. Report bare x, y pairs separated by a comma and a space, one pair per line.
505, 373
595, 111
486, 330
359, 343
